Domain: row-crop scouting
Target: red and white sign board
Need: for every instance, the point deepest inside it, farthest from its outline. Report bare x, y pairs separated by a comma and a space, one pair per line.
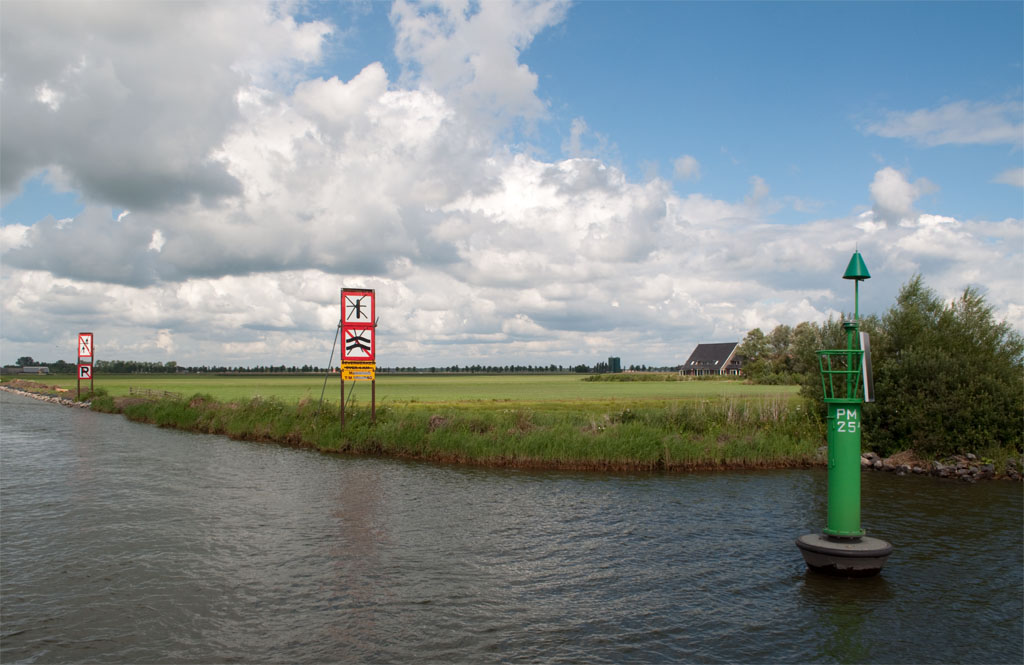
85, 348
84, 372
358, 344
357, 307
358, 317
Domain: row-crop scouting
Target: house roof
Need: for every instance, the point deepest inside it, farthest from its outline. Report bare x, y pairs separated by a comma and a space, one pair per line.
714, 355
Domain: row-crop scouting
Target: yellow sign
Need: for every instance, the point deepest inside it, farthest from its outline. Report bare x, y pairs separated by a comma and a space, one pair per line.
365, 371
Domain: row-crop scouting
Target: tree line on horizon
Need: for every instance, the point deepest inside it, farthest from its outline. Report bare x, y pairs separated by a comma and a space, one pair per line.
172, 367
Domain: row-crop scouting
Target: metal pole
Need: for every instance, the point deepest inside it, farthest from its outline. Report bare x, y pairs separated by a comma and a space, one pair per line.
373, 401
341, 363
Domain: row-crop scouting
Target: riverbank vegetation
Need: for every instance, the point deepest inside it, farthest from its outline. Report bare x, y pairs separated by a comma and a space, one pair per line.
677, 435
555, 422
948, 377
715, 424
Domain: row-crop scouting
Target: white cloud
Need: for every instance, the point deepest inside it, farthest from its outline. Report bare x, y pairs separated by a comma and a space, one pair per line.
132, 114
477, 250
893, 196
1013, 177
469, 52
13, 236
961, 122
157, 243
686, 168
165, 341
49, 97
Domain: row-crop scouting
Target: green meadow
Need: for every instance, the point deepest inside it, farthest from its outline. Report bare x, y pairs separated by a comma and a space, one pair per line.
556, 391
535, 421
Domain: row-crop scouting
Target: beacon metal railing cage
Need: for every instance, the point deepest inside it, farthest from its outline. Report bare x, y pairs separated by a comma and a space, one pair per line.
841, 374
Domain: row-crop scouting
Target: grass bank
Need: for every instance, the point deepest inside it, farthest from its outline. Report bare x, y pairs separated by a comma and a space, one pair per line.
758, 432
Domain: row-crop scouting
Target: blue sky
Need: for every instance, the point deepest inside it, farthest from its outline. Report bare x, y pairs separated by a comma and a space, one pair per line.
784, 91
683, 170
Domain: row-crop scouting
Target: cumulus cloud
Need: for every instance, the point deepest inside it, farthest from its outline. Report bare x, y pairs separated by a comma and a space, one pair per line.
469, 52
893, 196
132, 116
400, 182
960, 122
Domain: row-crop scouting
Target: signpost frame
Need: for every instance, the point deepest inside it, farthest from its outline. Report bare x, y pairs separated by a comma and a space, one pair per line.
86, 354
358, 344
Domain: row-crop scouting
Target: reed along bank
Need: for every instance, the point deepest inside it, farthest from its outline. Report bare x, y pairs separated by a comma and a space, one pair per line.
723, 433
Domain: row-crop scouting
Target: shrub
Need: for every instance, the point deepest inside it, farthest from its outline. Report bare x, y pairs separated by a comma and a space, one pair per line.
948, 378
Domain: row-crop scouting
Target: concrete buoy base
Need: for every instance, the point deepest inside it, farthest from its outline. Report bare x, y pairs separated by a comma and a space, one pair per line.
847, 557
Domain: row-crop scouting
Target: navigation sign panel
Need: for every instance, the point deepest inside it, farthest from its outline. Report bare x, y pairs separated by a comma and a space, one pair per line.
357, 307
85, 348
84, 372
358, 371
357, 344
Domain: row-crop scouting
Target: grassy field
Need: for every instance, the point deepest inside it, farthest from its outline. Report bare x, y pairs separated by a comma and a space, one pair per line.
532, 421
554, 392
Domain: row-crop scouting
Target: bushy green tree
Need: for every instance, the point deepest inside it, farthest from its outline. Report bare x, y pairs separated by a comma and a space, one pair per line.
948, 378
786, 355
764, 356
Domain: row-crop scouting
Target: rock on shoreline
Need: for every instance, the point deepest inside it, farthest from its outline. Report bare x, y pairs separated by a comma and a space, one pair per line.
967, 468
52, 399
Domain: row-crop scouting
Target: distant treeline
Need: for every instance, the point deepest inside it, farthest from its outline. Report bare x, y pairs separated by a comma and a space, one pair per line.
172, 367
598, 368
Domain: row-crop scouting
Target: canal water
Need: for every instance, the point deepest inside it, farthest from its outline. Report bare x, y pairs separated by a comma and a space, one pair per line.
125, 543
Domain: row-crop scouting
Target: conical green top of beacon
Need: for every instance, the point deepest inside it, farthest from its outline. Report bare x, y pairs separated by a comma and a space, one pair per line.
857, 268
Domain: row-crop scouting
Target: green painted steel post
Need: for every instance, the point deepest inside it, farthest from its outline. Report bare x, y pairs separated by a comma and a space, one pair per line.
844, 421
844, 425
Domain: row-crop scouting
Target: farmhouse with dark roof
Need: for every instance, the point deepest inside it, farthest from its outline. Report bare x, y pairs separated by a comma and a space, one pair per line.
718, 358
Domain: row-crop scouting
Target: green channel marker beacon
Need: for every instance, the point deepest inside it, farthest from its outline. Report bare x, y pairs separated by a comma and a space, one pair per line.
842, 548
